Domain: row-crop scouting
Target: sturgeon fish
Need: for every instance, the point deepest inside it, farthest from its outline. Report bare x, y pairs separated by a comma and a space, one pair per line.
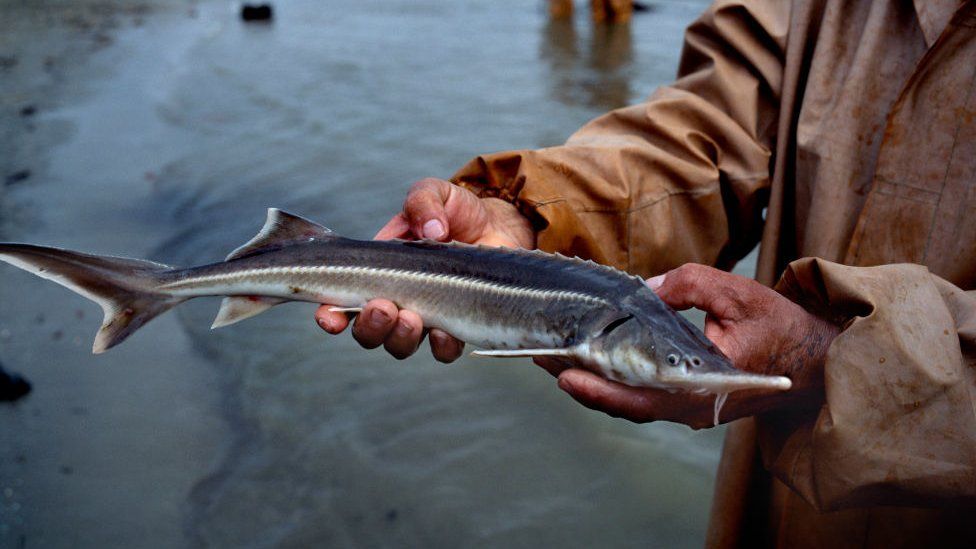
510, 303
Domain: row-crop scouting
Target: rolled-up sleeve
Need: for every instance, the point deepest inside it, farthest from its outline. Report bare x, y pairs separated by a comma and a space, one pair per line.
899, 422
680, 178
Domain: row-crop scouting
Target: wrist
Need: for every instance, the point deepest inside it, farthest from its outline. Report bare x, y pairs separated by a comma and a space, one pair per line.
806, 365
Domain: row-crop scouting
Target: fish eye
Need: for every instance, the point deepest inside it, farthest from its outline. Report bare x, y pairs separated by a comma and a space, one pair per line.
672, 359
695, 361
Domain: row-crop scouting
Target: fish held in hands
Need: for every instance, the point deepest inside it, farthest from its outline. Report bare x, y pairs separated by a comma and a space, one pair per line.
510, 303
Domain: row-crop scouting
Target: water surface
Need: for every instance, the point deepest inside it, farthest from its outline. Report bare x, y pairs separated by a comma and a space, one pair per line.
166, 134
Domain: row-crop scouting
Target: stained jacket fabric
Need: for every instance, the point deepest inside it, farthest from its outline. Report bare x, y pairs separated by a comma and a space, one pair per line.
838, 130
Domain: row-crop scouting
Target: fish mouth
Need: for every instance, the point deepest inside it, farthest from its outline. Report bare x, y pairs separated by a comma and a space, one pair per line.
722, 382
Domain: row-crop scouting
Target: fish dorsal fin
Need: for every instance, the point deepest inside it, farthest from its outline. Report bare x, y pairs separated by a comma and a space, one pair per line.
282, 228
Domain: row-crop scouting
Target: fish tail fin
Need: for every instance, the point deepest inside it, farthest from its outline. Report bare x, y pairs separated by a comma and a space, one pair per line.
124, 288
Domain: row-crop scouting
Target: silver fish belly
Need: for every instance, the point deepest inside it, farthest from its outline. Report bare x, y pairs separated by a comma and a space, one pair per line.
508, 302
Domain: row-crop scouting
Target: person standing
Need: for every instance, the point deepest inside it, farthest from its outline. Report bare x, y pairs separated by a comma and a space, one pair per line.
840, 136
604, 11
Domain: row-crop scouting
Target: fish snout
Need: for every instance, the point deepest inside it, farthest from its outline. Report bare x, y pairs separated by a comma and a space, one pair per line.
714, 373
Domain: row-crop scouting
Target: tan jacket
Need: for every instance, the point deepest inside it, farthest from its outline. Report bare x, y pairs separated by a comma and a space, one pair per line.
830, 129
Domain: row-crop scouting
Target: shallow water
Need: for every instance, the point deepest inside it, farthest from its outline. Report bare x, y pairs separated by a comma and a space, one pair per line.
167, 138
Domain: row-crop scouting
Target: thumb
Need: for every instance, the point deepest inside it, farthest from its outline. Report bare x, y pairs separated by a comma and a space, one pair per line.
425, 208
706, 288
656, 282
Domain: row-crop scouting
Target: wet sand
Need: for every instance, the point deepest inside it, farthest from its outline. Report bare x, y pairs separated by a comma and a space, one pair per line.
106, 450
163, 130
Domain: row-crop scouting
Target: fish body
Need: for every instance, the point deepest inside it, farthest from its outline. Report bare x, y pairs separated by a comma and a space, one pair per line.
508, 302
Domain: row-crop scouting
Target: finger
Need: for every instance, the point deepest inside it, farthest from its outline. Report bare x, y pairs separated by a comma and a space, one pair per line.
405, 336
552, 365
425, 208
711, 290
397, 227
715, 332
609, 397
642, 404
331, 321
374, 324
445, 347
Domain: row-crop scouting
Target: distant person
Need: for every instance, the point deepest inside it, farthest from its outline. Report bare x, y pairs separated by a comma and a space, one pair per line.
609, 11
840, 136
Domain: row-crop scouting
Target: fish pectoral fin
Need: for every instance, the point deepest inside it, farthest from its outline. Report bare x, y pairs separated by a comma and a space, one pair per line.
237, 308
506, 353
345, 309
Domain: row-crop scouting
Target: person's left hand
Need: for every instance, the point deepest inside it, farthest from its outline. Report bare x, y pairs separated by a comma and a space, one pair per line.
757, 328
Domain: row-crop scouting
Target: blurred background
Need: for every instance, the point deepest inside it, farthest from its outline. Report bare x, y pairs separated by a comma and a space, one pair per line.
164, 129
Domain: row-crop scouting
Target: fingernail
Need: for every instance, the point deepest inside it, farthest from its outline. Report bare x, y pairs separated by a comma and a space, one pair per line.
656, 282
323, 324
433, 230
403, 329
564, 385
378, 318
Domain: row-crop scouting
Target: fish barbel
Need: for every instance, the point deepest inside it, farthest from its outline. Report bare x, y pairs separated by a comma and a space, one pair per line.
510, 303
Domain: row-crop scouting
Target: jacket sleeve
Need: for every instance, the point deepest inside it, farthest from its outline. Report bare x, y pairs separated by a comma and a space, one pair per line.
899, 422
680, 178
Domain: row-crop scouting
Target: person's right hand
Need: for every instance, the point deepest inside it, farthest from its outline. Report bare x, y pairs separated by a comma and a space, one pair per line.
436, 210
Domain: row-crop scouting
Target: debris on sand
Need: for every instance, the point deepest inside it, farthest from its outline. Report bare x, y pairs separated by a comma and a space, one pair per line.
17, 177
256, 12
642, 7
12, 386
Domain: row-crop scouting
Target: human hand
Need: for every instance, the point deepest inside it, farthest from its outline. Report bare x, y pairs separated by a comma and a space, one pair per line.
758, 329
437, 210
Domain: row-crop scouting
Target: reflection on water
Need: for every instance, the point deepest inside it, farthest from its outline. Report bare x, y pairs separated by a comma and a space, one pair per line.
599, 76
182, 131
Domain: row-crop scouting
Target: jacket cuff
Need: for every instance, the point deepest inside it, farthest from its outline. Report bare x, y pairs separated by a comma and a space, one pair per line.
897, 426
531, 181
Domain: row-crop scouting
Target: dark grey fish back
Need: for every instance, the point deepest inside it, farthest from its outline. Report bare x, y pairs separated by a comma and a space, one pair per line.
498, 265
503, 266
